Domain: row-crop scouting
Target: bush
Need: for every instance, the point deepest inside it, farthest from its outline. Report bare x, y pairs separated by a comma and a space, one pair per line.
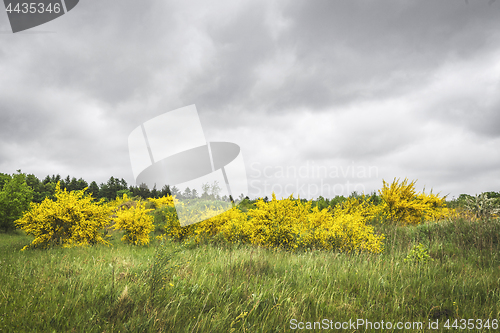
293, 224
278, 223
287, 223
482, 206
172, 227
73, 219
418, 255
166, 201
15, 198
132, 217
232, 226
401, 204
355, 234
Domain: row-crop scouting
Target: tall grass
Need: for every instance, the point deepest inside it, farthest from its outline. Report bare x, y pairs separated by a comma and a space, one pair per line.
172, 287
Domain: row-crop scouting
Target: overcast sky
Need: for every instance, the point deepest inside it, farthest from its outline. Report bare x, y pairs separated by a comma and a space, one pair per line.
323, 97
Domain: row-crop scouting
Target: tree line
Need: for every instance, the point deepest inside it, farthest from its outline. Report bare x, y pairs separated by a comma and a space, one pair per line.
110, 190
114, 187
18, 190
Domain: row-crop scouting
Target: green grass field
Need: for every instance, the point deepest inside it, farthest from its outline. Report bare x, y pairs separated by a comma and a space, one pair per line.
221, 288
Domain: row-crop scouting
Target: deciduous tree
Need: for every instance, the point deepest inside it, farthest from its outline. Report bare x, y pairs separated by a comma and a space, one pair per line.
15, 198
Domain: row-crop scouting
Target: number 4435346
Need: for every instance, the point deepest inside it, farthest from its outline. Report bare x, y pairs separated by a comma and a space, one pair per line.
34, 7
472, 324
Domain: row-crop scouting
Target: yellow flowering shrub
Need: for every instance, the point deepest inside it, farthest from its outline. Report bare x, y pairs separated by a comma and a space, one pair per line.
435, 207
286, 223
211, 214
165, 201
232, 225
277, 223
132, 217
318, 230
402, 205
359, 205
292, 224
353, 234
73, 219
172, 227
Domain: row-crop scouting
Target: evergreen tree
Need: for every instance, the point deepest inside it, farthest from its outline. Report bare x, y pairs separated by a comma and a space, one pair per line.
73, 185
155, 193
111, 188
65, 183
53, 179
141, 191
40, 189
94, 190
81, 184
37, 187
46, 180
175, 192
144, 191
165, 190
187, 193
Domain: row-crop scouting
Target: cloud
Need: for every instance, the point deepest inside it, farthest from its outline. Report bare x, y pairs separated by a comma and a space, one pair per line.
409, 87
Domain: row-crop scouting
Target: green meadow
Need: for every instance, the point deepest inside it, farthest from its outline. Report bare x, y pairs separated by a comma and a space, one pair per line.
453, 277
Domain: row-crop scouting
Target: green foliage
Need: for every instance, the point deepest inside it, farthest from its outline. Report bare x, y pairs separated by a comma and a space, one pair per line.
4, 178
110, 189
418, 255
121, 193
339, 199
462, 199
161, 217
168, 219
41, 190
161, 270
246, 204
321, 203
15, 198
141, 191
93, 189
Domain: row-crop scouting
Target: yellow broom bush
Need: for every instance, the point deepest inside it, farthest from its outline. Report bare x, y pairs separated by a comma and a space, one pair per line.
237, 227
73, 219
278, 223
134, 220
229, 225
402, 205
355, 234
212, 217
165, 201
289, 224
172, 227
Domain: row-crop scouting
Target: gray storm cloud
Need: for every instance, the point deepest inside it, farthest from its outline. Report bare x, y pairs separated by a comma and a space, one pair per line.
409, 87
